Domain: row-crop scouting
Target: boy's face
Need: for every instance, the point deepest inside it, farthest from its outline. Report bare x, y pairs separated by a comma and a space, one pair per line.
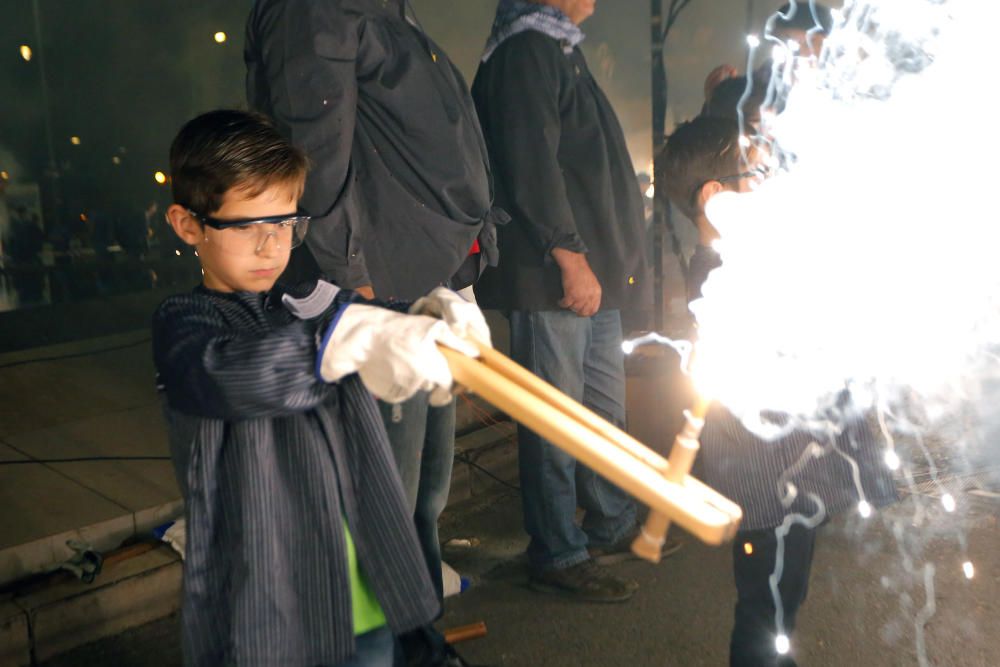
237, 259
741, 182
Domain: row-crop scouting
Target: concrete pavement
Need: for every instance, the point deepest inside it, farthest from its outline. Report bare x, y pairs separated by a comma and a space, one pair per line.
861, 610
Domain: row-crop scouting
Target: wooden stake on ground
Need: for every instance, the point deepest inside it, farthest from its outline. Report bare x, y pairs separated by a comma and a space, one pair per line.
465, 633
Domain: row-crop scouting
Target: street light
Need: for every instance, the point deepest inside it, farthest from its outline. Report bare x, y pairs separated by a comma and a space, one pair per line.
4, 176
160, 177
74, 140
116, 160
220, 37
26, 52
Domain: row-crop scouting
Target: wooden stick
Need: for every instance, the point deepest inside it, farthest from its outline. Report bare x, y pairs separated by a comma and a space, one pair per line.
465, 633
527, 380
696, 508
557, 399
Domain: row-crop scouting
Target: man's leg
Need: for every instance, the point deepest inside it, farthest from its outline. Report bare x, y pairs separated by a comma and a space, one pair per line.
411, 425
406, 424
610, 512
423, 443
435, 483
754, 631
550, 344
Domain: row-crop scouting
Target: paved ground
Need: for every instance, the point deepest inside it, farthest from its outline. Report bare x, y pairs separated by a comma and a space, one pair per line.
861, 610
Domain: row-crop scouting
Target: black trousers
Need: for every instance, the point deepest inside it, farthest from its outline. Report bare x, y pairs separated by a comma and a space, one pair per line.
754, 632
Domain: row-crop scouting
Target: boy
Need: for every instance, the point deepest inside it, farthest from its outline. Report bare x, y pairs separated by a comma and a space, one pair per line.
301, 549
701, 159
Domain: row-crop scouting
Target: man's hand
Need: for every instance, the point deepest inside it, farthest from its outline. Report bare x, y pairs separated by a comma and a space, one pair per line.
581, 289
366, 291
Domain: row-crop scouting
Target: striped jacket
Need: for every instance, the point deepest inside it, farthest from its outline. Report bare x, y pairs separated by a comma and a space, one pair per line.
771, 479
269, 458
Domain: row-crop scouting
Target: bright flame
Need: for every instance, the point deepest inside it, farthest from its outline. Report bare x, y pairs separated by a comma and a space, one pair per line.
829, 258
75, 140
892, 460
748, 549
968, 569
948, 501
26, 53
220, 37
782, 644
753, 41
651, 191
864, 509
160, 177
4, 176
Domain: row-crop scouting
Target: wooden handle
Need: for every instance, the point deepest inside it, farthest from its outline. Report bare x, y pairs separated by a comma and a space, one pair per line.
528, 381
649, 544
695, 507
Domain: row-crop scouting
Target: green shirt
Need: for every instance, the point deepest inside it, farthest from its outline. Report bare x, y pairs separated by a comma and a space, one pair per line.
365, 608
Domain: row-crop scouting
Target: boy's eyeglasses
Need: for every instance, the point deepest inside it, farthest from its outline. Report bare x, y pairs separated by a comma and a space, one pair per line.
758, 174
249, 236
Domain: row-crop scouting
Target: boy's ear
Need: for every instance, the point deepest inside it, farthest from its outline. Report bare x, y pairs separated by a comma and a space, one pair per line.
184, 225
709, 190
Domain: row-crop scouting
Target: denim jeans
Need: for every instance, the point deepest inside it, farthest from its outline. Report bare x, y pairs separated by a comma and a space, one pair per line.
754, 631
581, 356
374, 649
423, 442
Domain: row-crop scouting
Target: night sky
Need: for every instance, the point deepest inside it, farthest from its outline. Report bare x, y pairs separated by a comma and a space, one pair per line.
124, 75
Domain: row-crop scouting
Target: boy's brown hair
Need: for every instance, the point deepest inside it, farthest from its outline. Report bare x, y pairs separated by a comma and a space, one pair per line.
698, 151
226, 149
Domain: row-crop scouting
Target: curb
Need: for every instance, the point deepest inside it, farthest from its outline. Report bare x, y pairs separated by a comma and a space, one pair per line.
36, 625
25, 560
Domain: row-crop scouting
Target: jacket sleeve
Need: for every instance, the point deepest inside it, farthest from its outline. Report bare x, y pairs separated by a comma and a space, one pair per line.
703, 262
301, 70
210, 369
522, 117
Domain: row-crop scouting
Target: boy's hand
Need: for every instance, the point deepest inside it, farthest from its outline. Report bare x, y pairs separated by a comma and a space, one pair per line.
396, 355
464, 318
366, 291
581, 289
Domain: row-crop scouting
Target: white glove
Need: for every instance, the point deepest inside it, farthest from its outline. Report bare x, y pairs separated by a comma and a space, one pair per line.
395, 354
464, 318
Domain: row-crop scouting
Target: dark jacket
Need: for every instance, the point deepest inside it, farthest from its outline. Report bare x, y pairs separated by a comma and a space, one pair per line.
564, 175
270, 459
399, 186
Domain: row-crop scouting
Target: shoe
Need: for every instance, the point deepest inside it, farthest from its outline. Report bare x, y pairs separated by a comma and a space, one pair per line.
585, 581
621, 550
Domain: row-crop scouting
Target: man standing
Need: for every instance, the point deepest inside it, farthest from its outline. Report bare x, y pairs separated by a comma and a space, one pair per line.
571, 258
399, 189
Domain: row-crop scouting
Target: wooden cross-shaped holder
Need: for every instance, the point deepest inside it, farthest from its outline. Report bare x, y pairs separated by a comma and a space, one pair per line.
665, 486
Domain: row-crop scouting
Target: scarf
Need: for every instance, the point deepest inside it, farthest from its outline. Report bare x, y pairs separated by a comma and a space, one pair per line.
516, 16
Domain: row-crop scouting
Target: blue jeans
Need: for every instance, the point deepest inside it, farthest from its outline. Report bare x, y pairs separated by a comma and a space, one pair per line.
423, 443
581, 356
373, 649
